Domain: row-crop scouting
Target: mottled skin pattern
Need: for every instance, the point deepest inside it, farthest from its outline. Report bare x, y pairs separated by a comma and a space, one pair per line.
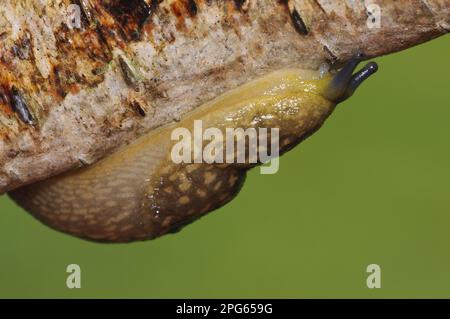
140, 193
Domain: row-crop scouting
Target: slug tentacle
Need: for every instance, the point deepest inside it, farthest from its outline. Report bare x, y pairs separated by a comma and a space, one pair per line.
344, 83
141, 192
360, 77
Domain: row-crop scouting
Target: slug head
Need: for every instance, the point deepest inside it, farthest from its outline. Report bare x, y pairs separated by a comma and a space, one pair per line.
345, 82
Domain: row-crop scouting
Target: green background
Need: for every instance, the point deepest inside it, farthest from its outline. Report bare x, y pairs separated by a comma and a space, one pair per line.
372, 186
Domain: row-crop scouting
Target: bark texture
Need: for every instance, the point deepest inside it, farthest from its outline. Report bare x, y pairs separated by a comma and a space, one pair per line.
70, 94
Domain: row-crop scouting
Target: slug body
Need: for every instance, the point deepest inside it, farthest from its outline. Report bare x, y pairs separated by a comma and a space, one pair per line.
140, 193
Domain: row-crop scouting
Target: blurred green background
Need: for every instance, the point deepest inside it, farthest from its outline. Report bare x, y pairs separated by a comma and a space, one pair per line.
372, 186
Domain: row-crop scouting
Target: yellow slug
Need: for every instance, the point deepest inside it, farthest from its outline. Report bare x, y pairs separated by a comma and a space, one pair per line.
141, 193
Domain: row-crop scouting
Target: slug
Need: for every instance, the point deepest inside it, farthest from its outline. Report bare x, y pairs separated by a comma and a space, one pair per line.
140, 193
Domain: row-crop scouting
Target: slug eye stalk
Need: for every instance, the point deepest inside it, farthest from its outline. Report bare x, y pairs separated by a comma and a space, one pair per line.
345, 82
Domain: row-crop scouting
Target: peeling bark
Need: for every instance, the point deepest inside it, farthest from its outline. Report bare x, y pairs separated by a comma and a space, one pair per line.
70, 96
